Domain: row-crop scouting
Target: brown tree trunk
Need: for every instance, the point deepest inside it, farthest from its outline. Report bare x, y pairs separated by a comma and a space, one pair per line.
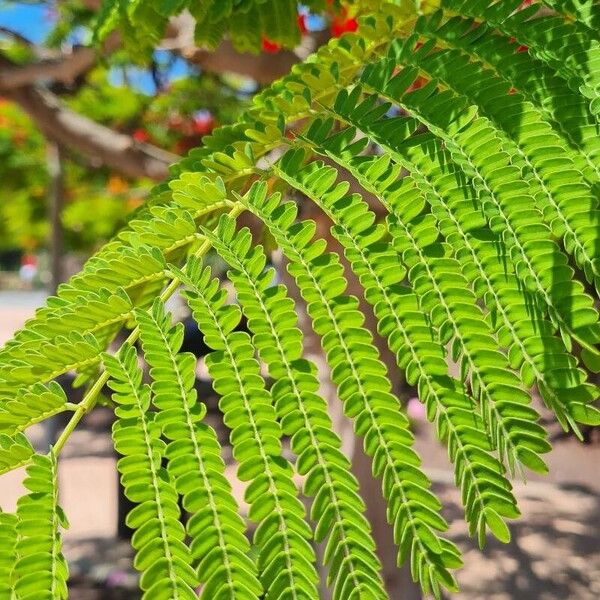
56, 195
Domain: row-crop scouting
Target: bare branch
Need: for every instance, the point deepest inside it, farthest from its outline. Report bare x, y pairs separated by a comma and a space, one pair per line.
76, 132
16, 36
65, 68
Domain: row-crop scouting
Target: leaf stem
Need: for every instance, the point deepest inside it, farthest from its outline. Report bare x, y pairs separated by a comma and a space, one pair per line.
91, 396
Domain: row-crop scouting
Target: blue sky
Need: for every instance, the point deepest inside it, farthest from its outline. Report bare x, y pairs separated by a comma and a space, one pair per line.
30, 20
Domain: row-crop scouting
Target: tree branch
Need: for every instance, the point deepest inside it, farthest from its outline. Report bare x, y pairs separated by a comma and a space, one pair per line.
65, 68
263, 68
76, 132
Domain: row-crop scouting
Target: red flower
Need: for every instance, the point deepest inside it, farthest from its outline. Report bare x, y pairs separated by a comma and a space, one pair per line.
204, 123
302, 24
140, 135
341, 25
269, 46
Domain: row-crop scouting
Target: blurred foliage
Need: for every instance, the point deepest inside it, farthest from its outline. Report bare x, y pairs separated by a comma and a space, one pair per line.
248, 23
155, 96
156, 104
24, 180
94, 205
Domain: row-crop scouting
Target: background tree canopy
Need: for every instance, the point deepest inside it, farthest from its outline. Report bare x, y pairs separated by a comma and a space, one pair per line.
156, 90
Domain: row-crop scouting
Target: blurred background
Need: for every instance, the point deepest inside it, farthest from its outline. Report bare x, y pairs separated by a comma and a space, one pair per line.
84, 135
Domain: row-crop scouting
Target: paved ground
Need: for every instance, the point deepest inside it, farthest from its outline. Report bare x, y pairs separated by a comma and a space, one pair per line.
554, 554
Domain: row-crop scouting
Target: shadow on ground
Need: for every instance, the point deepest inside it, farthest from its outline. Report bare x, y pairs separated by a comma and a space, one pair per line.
554, 553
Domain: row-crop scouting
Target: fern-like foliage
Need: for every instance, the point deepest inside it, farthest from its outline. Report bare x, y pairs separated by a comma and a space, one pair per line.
15, 451
39, 568
218, 545
8, 545
337, 509
286, 560
455, 155
31, 405
162, 555
364, 388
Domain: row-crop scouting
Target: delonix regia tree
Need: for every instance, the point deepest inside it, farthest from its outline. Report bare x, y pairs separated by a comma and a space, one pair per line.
475, 129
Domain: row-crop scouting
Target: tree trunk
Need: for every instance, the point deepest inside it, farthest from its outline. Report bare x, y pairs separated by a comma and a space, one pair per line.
56, 195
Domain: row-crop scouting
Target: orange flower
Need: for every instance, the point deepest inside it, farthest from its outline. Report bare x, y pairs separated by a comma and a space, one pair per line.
117, 185
341, 25
134, 202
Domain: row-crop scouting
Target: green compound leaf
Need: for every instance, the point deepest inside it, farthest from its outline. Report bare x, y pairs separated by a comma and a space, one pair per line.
40, 569
451, 164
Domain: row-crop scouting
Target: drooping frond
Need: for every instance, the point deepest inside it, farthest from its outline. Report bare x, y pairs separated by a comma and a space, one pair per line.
364, 389
286, 559
375, 263
337, 508
218, 544
540, 356
40, 570
437, 282
162, 555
